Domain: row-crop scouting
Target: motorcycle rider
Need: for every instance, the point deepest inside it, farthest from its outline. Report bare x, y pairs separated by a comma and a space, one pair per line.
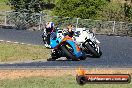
70, 30
49, 30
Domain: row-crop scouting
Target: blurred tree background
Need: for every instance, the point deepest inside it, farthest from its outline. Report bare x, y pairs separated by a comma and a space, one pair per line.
31, 5
114, 10
117, 10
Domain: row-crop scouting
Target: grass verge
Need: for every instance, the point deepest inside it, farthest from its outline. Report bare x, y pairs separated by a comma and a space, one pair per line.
54, 78
4, 6
18, 52
54, 82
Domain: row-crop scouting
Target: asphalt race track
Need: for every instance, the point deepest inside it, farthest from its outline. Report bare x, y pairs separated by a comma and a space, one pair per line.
29, 37
117, 51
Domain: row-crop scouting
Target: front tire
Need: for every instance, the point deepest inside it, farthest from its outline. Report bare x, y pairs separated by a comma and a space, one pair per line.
93, 51
83, 58
51, 59
69, 55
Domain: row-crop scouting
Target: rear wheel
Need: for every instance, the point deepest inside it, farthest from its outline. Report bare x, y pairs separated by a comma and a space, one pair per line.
69, 54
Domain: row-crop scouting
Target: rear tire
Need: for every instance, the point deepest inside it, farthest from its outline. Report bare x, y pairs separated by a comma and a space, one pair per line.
68, 54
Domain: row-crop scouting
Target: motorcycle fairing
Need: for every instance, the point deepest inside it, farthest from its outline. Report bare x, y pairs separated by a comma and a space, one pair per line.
77, 51
54, 41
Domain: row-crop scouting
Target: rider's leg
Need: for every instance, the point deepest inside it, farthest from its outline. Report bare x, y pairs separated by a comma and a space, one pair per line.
48, 39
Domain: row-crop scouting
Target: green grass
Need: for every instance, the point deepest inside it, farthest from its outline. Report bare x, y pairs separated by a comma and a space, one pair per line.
4, 6
54, 82
3, 1
17, 52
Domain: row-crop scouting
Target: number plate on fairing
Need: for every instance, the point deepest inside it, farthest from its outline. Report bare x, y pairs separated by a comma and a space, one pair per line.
68, 46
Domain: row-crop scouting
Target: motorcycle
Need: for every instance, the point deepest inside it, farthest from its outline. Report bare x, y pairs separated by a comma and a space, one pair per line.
44, 36
88, 42
64, 46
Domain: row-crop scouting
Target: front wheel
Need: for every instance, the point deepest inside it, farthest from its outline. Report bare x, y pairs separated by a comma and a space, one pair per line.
51, 59
83, 58
100, 53
92, 49
69, 55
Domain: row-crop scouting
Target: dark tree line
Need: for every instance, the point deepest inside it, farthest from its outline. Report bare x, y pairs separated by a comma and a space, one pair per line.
30, 5
87, 9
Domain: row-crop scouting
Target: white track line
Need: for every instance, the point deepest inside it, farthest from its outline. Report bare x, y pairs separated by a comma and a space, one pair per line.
16, 42
8, 41
1, 40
